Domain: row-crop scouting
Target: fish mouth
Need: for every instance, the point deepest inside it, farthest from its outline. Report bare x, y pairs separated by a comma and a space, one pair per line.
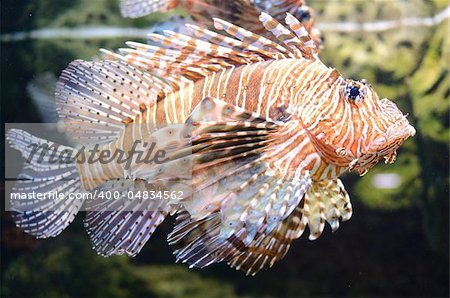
396, 133
385, 146
395, 136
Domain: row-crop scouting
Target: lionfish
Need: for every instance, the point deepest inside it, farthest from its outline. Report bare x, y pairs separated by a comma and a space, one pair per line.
244, 13
273, 129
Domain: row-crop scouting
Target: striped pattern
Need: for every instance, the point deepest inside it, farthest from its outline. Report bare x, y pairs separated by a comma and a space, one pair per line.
270, 130
266, 250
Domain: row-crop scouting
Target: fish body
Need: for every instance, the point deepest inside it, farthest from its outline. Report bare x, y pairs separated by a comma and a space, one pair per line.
271, 130
285, 82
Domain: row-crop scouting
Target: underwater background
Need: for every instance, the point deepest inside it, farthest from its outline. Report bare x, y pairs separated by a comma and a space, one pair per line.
395, 245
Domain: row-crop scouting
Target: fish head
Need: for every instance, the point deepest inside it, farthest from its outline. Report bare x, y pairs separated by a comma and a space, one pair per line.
379, 127
356, 129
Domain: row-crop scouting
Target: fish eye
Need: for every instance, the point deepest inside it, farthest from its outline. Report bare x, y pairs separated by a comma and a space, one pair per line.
355, 92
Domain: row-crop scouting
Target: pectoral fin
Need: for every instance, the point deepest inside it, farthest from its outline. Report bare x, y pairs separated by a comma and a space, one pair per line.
237, 192
326, 201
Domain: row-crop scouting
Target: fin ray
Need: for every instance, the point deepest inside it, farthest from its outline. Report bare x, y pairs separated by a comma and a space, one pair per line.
123, 226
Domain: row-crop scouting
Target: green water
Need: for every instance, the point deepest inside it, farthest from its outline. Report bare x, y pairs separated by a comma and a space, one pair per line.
396, 243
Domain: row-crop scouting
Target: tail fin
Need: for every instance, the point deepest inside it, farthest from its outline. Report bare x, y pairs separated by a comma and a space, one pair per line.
43, 218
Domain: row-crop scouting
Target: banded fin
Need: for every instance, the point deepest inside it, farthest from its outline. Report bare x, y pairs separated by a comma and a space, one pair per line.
178, 65
140, 8
47, 217
267, 249
95, 99
180, 56
297, 41
244, 13
123, 226
326, 201
228, 42
250, 38
236, 194
224, 234
198, 243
